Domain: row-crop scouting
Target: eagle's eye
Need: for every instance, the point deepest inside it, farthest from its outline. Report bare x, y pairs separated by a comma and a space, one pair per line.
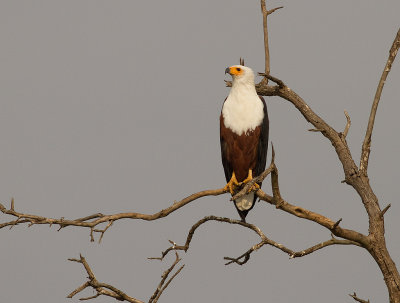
238, 69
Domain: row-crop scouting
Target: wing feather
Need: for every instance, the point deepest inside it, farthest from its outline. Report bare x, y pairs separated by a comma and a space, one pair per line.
228, 168
262, 142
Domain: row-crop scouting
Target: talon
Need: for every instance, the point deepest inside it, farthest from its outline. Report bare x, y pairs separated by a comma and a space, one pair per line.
232, 185
255, 186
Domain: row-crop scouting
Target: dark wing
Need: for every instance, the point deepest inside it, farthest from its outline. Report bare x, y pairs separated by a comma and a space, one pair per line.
228, 168
262, 143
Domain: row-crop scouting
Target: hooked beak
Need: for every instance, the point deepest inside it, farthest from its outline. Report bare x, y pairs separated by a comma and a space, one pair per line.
228, 70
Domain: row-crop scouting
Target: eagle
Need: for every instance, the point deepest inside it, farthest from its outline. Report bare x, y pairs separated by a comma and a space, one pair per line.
244, 128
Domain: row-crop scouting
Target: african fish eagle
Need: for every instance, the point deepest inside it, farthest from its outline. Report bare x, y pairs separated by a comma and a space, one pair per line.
244, 130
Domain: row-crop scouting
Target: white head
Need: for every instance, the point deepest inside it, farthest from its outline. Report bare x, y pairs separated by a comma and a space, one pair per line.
241, 74
243, 110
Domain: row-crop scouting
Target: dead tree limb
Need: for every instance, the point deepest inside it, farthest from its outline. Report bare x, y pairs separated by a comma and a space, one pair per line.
242, 259
100, 288
103, 289
94, 220
356, 177
366, 147
265, 14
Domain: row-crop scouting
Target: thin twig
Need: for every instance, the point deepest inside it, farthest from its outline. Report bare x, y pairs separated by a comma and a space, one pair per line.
354, 296
315, 130
102, 231
80, 288
274, 9
337, 223
274, 79
266, 46
265, 14
347, 127
162, 285
168, 282
366, 147
383, 212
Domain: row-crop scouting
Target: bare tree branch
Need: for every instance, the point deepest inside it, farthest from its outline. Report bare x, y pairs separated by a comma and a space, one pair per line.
315, 217
375, 241
162, 285
266, 45
278, 201
265, 14
366, 147
111, 291
354, 296
100, 288
292, 254
189, 237
93, 220
242, 259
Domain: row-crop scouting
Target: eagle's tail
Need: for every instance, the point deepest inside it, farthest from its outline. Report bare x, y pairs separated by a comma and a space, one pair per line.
244, 204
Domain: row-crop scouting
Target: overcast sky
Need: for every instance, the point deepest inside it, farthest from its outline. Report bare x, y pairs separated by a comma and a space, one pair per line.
113, 106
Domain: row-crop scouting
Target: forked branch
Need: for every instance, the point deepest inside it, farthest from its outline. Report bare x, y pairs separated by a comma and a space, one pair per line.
103, 289
100, 288
242, 259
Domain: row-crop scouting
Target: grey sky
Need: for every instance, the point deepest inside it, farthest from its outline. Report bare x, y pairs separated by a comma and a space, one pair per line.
113, 106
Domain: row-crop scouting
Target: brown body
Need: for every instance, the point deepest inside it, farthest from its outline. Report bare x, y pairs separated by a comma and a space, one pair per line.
240, 151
